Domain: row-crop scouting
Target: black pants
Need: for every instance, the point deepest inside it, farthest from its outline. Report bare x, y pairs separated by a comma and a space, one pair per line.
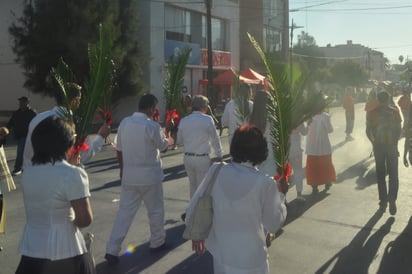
82, 264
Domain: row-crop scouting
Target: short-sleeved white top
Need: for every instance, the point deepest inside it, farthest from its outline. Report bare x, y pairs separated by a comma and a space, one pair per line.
49, 232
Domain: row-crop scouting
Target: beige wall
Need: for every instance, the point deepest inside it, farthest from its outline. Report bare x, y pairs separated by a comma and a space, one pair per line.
11, 76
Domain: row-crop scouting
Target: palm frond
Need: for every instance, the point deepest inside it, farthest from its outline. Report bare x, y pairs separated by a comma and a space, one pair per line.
288, 105
97, 88
174, 81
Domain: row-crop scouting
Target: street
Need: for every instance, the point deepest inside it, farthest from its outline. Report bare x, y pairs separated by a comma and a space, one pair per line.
335, 232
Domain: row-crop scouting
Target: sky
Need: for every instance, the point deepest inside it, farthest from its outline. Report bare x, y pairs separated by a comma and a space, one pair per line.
382, 25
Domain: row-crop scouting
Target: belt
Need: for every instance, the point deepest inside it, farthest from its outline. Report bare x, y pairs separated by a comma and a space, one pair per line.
196, 155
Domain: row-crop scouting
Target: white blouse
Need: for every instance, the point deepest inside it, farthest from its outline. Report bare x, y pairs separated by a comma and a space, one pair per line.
317, 140
49, 232
245, 201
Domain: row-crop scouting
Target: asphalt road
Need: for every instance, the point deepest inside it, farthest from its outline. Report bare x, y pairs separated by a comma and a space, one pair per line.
335, 232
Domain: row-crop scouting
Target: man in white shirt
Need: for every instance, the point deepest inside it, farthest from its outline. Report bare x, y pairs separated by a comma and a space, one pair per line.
197, 133
232, 117
94, 145
139, 143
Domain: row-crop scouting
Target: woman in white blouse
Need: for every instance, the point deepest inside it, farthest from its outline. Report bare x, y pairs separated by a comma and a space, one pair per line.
245, 202
56, 199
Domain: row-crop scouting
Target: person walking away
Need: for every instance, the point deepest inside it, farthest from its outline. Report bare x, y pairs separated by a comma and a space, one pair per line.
383, 128
57, 204
19, 125
231, 117
74, 97
260, 120
404, 104
246, 202
319, 166
349, 106
139, 142
198, 135
296, 158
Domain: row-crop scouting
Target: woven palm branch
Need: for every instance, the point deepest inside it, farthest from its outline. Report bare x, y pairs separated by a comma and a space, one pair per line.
97, 89
288, 106
174, 81
64, 78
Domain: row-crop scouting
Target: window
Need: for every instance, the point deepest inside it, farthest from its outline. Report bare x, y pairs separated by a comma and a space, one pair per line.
218, 34
177, 24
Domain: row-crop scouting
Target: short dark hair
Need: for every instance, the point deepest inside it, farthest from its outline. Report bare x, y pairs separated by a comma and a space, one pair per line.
249, 145
147, 101
383, 97
51, 139
73, 90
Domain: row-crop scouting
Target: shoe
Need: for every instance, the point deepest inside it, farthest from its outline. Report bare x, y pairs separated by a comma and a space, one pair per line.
111, 259
392, 208
328, 186
315, 190
183, 217
17, 172
158, 249
174, 147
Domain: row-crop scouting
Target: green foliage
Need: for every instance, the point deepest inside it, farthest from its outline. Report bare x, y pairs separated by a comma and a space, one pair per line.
97, 88
348, 73
174, 79
49, 30
288, 105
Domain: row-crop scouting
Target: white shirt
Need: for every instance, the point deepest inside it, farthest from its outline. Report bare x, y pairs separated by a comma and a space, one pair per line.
140, 140
245, 201
230, 117
197, 133
296, 140
94, 145
49, 232
317, 141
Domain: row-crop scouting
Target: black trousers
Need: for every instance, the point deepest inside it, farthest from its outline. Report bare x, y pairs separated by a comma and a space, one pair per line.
82, 264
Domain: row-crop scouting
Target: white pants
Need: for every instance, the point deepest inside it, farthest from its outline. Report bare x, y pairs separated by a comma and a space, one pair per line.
298, 170
196, 169
130, 200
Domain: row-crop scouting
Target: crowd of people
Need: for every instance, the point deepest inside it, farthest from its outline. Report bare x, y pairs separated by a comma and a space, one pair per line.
246, 196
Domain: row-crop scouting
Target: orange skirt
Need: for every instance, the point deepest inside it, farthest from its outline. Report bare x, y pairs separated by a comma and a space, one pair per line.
320, 170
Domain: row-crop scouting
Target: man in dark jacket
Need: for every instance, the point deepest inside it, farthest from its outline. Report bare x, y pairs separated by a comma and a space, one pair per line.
383, 128
19, 124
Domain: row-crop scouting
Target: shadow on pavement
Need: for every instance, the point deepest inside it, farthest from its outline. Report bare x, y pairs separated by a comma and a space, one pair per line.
106, 185
199, 264
357, 256
296, 208
338, 145
362, 170
397, 257
141, 258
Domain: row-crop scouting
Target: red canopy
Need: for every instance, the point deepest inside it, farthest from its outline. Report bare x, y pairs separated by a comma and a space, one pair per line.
228, 77
253, 75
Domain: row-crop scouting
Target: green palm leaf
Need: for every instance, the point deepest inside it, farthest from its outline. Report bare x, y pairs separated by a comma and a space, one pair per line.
288, 105
97, 88
174, 80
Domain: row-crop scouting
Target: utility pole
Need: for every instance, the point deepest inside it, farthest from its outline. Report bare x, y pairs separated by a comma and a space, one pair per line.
209, 49
285, 31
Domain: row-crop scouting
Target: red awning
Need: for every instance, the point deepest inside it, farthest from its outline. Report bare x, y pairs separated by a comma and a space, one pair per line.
253, 75
228, 77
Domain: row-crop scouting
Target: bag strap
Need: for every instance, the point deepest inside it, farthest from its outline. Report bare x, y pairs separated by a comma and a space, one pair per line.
213, 179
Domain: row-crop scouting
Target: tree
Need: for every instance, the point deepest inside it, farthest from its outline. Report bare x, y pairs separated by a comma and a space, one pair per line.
309, 58
400, 59
50, 30
348, 73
